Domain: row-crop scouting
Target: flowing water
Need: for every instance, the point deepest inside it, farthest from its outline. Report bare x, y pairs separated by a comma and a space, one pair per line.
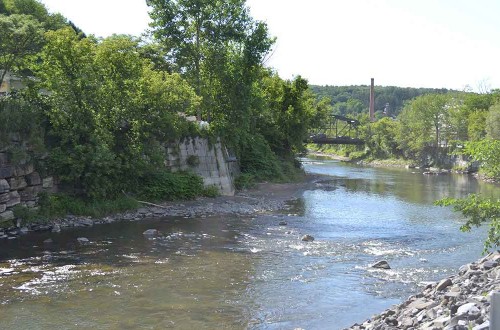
248, 272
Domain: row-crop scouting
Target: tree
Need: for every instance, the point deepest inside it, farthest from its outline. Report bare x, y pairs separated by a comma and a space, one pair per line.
476, 129
38, 12
493, 122
21, 37
289, 110
108, 109
423, 124
487, 153
3, 9
381, 139
478, 211
191, 29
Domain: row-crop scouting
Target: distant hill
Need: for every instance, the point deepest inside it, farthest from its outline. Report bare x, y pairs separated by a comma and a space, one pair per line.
353, 100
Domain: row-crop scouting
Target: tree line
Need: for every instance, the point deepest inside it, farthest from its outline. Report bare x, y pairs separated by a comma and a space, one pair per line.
431, 127
354, 100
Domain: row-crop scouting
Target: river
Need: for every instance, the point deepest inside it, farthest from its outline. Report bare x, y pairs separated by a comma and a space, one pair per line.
236, 272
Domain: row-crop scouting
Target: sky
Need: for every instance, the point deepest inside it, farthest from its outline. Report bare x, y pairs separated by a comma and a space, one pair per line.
451, 44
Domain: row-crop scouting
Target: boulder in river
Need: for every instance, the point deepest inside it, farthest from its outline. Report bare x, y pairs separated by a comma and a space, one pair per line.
307, 238
382, 264
151, 233
83, 240
283, 223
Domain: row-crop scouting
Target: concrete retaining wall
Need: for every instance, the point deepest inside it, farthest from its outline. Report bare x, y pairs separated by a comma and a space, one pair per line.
209, 160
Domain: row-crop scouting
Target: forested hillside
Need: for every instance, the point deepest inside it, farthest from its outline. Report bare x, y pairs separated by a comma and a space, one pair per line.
354, 100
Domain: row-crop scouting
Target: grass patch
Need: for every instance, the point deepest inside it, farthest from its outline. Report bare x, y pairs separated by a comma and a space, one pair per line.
164, 185
59, 205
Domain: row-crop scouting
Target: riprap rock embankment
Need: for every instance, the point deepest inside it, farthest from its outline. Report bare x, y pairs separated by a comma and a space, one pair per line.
460, 302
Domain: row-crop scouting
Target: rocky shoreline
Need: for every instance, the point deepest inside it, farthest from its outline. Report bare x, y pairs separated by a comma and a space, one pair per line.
459, 302
265, 198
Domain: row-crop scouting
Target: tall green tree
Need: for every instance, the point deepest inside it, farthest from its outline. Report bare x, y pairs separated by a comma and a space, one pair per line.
108, 110
37, 10
21, 37
290, 109
194, 31
381, 138
423, 124
493, 122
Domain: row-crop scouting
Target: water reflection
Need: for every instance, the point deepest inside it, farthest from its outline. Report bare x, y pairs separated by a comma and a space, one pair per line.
410, 185
243, 272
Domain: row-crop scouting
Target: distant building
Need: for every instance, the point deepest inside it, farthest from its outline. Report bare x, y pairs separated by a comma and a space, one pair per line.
10, 83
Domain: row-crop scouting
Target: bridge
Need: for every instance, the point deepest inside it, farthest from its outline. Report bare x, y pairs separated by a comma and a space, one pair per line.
337, 130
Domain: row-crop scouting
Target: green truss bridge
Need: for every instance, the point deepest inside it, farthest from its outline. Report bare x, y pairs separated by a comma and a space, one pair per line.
337, 130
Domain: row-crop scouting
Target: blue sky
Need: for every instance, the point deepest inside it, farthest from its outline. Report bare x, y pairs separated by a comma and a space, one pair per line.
407, 43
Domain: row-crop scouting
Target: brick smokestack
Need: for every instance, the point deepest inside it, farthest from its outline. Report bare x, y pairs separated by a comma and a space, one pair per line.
372, 100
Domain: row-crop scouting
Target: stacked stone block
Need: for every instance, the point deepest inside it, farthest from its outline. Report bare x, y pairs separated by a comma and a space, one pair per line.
19, 185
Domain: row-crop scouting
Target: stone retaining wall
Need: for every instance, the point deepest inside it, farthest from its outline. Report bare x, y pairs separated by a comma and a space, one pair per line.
19, 185
209, 160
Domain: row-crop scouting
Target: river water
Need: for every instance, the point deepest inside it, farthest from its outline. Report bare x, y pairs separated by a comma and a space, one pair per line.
236, 272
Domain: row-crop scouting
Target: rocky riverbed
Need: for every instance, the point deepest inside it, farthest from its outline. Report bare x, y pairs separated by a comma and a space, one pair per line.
460, 302
266, 197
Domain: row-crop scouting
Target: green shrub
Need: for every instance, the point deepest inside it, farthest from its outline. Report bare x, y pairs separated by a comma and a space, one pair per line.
193, 160
211, 191
257, 158
26, 215
164, 185
245, 181
60, 205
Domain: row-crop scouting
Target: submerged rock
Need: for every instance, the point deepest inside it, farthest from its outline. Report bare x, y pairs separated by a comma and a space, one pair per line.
382, 264
151, 233
283, 223
83, 240
307, 238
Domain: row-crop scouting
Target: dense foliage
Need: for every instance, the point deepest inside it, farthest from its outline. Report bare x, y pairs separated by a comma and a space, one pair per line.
96, 112
429, 128
219, 48
478, 210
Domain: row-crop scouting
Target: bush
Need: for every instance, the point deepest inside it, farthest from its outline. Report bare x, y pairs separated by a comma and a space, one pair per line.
257, 159
245, 181
211, 191
25, 214
164, 185
60, 205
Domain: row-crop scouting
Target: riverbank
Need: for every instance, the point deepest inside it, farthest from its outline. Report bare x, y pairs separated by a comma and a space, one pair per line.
374, 163
457, 302
264, 198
